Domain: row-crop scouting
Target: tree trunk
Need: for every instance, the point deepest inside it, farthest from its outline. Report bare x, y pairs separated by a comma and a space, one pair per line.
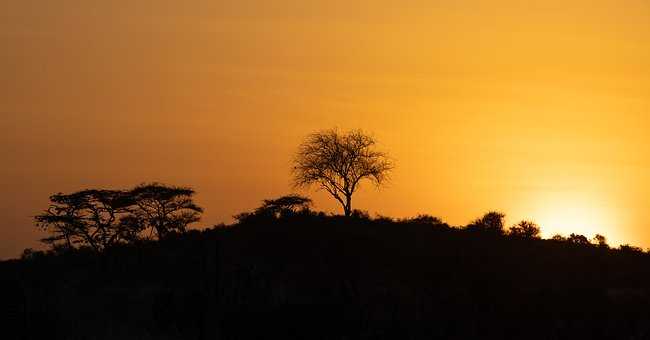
348, 205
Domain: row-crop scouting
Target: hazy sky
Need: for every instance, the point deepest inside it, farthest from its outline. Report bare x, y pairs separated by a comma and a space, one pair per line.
540, 109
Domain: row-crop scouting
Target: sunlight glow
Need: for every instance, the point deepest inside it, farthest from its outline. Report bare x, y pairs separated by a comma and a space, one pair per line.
575, 213
538, 109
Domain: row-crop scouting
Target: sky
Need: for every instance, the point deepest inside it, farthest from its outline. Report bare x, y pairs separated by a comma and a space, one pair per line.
539, 109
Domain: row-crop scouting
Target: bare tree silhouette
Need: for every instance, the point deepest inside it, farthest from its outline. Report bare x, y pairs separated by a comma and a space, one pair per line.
337, 163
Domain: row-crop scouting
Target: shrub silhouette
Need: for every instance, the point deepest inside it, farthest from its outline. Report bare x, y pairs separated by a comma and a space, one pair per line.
578, 239
626, 248
524, 229
601, 241
281, 207
285, 205
424, 219
558, 238
490, 223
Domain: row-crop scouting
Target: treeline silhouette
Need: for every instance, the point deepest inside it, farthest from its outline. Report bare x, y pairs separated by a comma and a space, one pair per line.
286, 271
99, 219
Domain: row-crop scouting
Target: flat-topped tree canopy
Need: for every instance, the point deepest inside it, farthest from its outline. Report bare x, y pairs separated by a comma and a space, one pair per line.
99, 218
165, 209
89, 217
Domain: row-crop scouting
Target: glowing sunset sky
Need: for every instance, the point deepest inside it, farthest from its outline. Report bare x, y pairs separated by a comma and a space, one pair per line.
540, 109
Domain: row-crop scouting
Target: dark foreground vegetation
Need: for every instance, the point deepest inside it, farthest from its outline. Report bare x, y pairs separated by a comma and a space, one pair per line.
293, 274
124, 264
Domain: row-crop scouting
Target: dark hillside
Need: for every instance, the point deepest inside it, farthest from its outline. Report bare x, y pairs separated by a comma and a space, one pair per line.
319, 277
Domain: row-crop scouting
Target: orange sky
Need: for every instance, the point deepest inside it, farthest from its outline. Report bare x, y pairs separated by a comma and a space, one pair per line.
540, 109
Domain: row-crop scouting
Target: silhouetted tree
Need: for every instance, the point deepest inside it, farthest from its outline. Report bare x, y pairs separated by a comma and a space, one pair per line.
337, 163
578, 239
601, 241
492, 222
629, 249
278, 207
525, 229
558, 237
383, 219
425, 219
163, 209
86, 218
244, 217
101, 218
360, 214
31, 254
285, 205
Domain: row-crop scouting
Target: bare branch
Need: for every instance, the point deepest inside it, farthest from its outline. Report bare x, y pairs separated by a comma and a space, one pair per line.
337, 163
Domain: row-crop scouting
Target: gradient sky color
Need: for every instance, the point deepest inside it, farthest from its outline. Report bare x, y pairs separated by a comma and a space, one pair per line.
540, 109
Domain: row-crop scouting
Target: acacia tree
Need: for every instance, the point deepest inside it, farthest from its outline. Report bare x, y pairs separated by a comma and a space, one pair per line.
337, 163
90, 218
278, 207
285, 205
101, 218
163, 209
